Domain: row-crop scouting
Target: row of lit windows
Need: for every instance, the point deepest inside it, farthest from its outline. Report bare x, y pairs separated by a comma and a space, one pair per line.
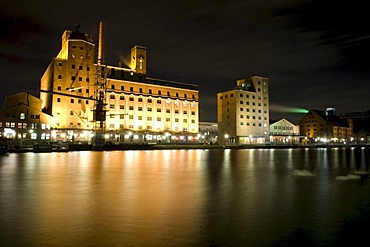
24, 125
79, 101
248, 124
283, 127
131, 117
131, 98
22, 116
73, 66
246, 95
140, 127
73, 78
149, 109
59, 88
253, 110
72, 125
150, 91
253, 117
314, 125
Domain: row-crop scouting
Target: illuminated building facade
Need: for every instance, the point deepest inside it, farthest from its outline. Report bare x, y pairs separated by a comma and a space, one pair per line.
325, 126
243, 112
22, 119
208, 132
135, 107
284, 132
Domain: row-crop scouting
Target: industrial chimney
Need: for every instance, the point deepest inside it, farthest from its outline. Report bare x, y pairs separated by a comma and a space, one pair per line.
101, 43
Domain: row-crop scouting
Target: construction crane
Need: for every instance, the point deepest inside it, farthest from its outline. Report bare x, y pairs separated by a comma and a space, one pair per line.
100, 93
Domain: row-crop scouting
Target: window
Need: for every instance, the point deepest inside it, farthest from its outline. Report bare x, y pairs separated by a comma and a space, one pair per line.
73, 66
131, 98
112, 106
121, 107
149, 100
123, 88
121, 97
59, 76
140, 99
131, 107
159, 101
70, 112
80, 67
112, 96
59, 88
131, 89
150, 91
112, 86
72, 101
140, 108
87, 90
159, 92
88, 68
22, 116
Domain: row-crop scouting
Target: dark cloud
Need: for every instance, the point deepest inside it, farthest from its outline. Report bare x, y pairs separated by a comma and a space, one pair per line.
314, 52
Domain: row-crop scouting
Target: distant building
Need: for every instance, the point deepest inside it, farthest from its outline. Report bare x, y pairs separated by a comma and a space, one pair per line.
284, 132
85, 96
361, 125
243, 112
22, 119
208, 132
325, 126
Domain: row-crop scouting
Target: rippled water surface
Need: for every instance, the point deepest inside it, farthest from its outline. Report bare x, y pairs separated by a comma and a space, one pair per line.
246, 197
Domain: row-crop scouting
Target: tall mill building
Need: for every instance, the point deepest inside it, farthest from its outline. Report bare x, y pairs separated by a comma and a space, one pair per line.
85, 96
243, 112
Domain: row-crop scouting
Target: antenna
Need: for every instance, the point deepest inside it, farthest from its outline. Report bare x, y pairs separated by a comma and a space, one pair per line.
77, 26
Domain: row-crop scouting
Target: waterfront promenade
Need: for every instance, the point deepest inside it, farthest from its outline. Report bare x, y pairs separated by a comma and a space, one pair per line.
146, 146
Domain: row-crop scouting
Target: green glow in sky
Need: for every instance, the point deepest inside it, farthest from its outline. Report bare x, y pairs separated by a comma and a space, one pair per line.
280, 108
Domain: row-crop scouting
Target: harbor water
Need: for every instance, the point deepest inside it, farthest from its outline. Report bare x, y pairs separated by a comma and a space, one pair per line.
236, 197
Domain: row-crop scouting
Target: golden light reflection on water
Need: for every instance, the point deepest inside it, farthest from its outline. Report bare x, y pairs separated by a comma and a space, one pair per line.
168, 197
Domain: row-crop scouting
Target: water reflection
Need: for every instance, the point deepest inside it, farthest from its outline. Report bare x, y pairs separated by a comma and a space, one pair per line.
181, 197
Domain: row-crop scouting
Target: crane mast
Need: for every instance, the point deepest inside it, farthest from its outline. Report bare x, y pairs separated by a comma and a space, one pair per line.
100, 93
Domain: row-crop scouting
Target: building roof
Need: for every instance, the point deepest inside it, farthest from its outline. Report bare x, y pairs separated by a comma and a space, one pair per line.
82, 36
331, 118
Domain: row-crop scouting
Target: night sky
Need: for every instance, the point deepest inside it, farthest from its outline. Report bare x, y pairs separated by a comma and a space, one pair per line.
315, 53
